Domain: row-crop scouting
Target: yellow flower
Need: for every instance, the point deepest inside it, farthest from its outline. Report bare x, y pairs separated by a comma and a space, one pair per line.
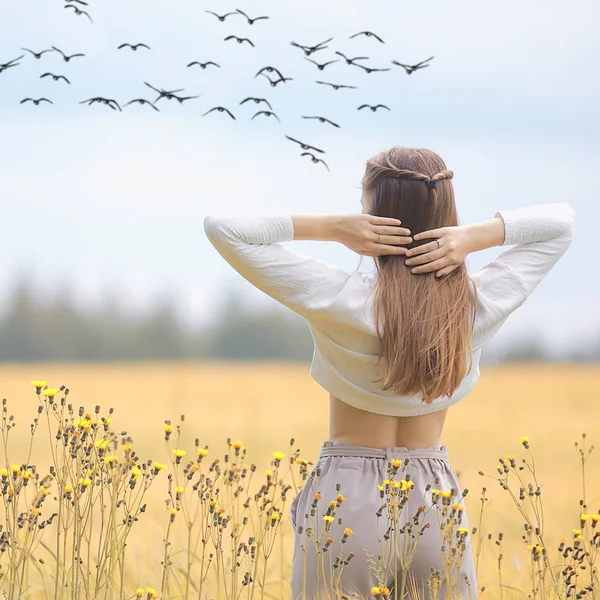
396, 463
44, 491
446, 493
386, 482
38, 384
68, 489
584, 517
15, 469
34, 511
4, 472
202, 451
101, 444
139, 592
269, 473
406, 484
340, 498
375, 590
318, 495
576, 532
126, 447
173, 511
578, 538
328, 518
50, 392
26, 474
83, 423
332, 503
109, 460
151, 592
595, 517
179, 453
168, 428
278, 456
158, 466
275, 516
237, 445
85, 482
525, 441
179, 489
136, 472
463, 530
348, 531
458, 507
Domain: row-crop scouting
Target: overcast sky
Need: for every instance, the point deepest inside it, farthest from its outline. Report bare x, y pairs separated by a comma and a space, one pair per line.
101, 199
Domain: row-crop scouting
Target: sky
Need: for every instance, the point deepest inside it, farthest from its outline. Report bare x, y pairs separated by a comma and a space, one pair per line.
96, 200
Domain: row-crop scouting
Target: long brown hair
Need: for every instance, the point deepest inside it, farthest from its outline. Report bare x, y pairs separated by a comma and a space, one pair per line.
424, 323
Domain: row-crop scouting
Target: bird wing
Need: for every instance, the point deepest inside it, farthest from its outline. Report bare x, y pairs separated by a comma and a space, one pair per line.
28, 50
337, 52
324, 83
195, 62
363, 106
46, 99
383, 106
153, 88
25, 100
325, 42
65, 79
229, 37
332, 123
321, 160
123, 46
55, 48
377, 37
242, 13
294, 140
308, 154
420, 67
210, 62
209, 111
357, 34
267, 103
145, 46
424, 61
249, 41
211, 12
45, 75
259, 18
229, 113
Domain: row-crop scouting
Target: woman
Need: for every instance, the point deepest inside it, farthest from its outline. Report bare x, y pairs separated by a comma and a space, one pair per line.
394, 349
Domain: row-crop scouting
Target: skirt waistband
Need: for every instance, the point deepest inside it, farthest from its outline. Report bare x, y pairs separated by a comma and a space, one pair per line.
335, 448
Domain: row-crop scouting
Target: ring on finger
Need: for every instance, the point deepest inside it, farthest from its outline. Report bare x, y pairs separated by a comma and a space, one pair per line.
378, 239
438, 242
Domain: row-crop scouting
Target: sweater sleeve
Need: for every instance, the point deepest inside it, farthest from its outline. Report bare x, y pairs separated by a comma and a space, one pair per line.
253, 246
539, 235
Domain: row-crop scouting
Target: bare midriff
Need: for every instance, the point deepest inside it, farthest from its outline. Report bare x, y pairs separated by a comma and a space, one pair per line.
355, 426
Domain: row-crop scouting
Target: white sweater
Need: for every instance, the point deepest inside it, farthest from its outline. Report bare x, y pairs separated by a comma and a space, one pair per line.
339, 305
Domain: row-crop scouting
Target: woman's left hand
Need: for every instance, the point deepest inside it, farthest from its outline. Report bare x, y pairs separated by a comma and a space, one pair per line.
369, 235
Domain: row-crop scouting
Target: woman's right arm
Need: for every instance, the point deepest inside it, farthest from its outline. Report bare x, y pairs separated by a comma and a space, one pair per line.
539, 235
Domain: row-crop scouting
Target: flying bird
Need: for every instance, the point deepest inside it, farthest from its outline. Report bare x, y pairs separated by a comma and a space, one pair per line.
256, 101
350, 61
219, 109
65, 57
267, 113
304, 146
239, 40
36, 102
182, 99
323, 120
101, 100
269, 70
367, 34
250, 21
78, 11
10, 63
281, 79
411, 68
55, 77
320, 66
220, 17
373, 108
308, 50
370, 69
134, 47
204, 65
315, 159
162, 93
142, 101
337, 86
37, 55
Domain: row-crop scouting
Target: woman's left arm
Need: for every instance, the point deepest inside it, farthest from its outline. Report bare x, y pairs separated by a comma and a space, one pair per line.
253, 246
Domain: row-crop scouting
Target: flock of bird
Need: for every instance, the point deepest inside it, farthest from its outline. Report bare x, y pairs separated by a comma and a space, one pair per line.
272, 74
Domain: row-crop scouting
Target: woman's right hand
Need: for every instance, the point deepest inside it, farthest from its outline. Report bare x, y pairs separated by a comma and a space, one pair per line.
446, 252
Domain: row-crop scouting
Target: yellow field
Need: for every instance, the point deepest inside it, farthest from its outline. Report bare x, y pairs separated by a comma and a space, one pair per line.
264, 405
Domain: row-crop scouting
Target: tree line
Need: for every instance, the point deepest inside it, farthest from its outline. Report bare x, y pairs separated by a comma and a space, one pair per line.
32, 330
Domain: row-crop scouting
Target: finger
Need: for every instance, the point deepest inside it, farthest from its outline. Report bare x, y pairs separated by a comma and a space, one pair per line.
384, 220
423, 248
383, 249
429, 267
432, 233
443, 272
388, 230
425, 258
393, 240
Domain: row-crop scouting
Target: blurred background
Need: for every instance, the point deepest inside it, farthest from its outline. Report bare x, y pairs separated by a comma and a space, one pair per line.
103, 251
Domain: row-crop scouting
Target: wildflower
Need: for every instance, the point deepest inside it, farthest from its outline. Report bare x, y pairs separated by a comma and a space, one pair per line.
462, 530
135, 472
332, 503
4, 472
85, 482
328, 519
151, 592
525, 441
202, 451
38, 384
50, 392
578, 538
139, 592
168, 428
301, 461
583, 517
16, 469
339, 498
318, 495
158, 467
26, 475
83, 423
179, 454
269, 473
595, 517
375, 590
458, 507
172, 513
275, 516
101, 444
126, 448
278, 456
179, 489
237, 446
347, 532
106, 421
396, 463
576, 532
109, 460
68, 489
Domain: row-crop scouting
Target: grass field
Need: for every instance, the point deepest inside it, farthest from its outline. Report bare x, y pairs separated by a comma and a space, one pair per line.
264, 405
